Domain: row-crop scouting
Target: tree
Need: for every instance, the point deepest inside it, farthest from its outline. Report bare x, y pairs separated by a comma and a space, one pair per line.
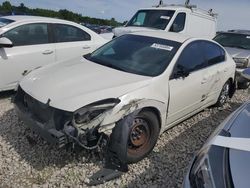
22, 8
6, 6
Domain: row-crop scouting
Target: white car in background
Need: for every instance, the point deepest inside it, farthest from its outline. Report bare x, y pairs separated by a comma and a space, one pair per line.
29, 42
126, 93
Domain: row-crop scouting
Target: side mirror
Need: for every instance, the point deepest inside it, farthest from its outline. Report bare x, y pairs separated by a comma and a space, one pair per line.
5, 43
246, 74
176, 28
124, 23
180, 74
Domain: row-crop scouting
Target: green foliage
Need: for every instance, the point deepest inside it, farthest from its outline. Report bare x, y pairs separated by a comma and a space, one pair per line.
7, 8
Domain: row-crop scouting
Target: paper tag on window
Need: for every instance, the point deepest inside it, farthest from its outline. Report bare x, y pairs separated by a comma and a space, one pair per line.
165, 17
248, 37
162, 47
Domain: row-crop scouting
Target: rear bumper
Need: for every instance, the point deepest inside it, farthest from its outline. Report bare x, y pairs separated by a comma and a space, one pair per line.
46, 130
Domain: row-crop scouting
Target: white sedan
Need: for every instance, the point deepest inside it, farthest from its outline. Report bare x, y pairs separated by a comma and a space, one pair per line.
127, 92
29, 42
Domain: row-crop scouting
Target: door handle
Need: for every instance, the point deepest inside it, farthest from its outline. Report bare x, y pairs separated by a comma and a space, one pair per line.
86, 47
47, 52
204, 80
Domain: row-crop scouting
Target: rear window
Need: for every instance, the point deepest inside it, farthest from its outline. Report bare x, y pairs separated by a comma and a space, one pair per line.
233, 40
4, 22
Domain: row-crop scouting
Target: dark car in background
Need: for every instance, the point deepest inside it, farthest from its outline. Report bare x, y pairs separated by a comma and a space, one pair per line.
237, 44
99, 29
224, 161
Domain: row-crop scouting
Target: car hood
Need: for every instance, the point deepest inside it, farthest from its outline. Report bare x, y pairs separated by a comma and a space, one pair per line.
238, 53
73, 84
130, 29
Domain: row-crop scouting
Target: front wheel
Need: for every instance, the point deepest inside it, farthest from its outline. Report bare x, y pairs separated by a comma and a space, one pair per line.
224, 95
142, 136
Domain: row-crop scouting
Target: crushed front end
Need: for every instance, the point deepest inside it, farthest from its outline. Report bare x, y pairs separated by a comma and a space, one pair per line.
56, 126
81, 127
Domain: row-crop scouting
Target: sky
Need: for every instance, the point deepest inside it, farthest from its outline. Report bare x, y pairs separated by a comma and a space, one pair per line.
232, 14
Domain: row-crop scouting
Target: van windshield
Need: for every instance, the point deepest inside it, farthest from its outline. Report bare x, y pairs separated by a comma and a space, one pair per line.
157, 19
4, 22
233, 40
142, 55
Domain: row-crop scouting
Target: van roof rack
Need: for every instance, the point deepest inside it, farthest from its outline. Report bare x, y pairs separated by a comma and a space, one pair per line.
186, 5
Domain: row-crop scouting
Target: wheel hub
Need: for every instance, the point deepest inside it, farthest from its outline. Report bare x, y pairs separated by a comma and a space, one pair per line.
139, 134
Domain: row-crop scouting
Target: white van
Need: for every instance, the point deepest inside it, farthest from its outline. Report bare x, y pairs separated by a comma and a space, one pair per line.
186, 19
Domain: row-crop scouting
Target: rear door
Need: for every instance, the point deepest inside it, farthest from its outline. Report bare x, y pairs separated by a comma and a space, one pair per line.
186, 92
32, 49
214, 75
71, 42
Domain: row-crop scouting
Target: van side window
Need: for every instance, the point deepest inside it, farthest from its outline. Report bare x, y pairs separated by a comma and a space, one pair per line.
179, 23
191, 58
213, 53
29, 34
68, 33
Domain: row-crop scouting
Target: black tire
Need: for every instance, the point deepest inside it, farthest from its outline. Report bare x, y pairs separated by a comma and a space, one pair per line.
243, 85
224, 95
142, 136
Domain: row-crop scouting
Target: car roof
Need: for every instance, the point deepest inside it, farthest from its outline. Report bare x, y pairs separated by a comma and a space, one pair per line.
33, 18
164, 35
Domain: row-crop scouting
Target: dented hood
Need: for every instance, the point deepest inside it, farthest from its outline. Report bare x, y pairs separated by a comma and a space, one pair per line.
238, 53
130, 29
74, 84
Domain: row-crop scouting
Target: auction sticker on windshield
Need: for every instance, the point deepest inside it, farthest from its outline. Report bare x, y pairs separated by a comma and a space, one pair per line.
162, 47
248, 37
165, 17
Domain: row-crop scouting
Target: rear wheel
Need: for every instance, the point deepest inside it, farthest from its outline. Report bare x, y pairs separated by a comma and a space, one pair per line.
142, 136
224, 95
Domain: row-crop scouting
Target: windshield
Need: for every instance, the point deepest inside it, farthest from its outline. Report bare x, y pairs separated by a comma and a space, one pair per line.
157, 19
234, 40
147, 56
4, 22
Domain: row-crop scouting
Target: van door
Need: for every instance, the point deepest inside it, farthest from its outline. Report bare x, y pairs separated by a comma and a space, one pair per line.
71, 42
186, 87
32, 49
179, 24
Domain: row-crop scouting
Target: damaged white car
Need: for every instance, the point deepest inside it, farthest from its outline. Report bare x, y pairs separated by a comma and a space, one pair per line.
123, 95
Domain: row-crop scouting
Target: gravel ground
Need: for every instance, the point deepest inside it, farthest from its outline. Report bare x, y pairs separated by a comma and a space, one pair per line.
28, 163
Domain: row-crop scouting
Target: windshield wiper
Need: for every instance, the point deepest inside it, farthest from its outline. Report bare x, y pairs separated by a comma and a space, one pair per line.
107, 64
114, 67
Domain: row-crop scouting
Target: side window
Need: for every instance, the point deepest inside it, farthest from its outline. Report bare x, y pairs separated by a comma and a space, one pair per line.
179, 23
68, 33
30, 34
191, 58
214, 54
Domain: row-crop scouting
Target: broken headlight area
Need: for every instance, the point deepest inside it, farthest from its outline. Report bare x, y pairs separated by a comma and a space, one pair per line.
86, 121
94, 110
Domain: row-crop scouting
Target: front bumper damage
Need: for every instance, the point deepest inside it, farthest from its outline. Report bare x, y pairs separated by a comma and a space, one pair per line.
56, 128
